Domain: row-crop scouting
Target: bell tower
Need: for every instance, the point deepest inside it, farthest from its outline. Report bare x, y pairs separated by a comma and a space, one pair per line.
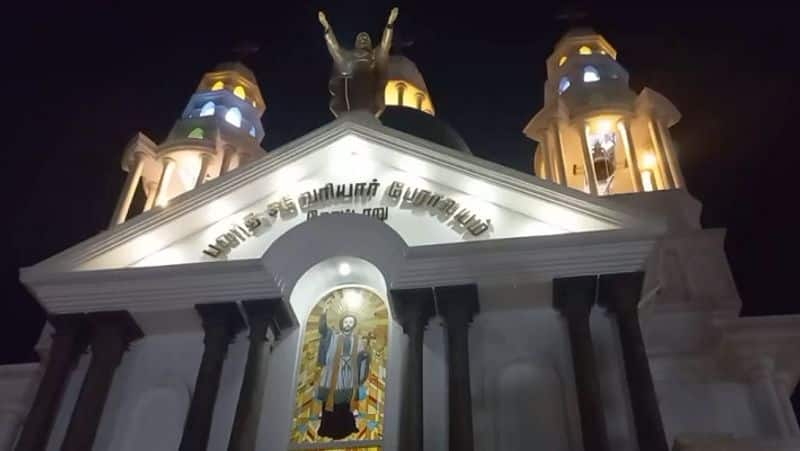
219, 130
594, 133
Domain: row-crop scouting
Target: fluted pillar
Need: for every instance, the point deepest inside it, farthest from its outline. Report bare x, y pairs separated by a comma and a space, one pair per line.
458, 304
557, 154
620, 294
152, 190
624, 128
413, 307
164, 181
205, 162
128, 189
671, 155
268, 319
68, 341
110, 336
661, 155
574, 298
221, 322
227, 159
588, 160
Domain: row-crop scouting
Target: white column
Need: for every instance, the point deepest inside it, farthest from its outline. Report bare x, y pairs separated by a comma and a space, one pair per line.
163, 183
672, 157
587, 160
663, 169
557, 154
205, 161
227, 159
785, 398
545, 149
624, 127
152, 188
128, 190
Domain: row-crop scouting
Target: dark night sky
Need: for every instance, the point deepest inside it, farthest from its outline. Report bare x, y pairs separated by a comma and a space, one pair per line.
85, 79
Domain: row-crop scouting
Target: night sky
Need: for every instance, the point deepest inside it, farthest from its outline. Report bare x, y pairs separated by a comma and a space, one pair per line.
85, 79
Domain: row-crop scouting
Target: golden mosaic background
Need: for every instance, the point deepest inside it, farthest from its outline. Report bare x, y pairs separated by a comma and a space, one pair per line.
373, 322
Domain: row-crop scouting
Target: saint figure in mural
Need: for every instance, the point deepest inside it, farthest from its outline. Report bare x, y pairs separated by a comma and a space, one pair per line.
344, 359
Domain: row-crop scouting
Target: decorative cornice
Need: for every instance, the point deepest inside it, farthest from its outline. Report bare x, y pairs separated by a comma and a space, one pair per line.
192, 206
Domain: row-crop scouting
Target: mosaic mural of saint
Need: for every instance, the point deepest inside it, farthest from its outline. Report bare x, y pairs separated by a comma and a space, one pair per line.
341, 378
344, 358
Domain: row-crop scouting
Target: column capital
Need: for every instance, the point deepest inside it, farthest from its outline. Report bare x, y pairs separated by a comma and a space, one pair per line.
457, 303
413, 307
574, 295
270, 312
70, 324
118, 322
221, 318
620, 293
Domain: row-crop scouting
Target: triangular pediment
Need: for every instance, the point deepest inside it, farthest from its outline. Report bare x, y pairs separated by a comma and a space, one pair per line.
427, 193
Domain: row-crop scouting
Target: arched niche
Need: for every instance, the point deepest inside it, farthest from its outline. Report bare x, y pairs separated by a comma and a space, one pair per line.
326, 237
307, 291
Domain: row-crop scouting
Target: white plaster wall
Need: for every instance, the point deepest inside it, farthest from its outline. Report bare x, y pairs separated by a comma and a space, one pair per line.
506, 347
18, 383
150, 395
695, 408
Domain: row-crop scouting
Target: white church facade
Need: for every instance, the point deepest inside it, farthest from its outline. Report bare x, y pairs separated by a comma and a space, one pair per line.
372, 285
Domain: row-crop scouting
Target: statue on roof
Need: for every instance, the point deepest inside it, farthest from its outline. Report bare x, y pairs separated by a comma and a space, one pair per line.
358, 78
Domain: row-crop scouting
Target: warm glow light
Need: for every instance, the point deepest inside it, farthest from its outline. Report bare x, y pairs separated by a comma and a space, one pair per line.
344, 269
585, 50
189, 171
218, 86
648, 160
412, 97
562, 60
647, 180
239, 92
603, 125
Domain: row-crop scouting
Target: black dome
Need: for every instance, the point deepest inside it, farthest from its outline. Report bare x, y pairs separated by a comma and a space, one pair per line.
423, 125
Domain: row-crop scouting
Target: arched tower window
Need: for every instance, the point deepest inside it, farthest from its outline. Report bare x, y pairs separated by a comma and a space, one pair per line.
344, 345
253, 131
218, 86
207, 110
590, 74
239, 92
196, 133
584, 50
563, 84
562, 60
234, 117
